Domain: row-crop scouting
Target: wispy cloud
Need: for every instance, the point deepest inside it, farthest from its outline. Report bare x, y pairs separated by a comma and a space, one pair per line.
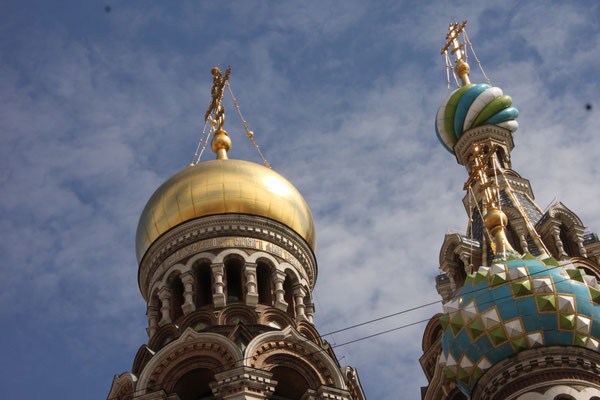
342, 101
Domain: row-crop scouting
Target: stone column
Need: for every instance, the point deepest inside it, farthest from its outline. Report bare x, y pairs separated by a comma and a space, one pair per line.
310, 311
464, 257
524, 244
299, 293
218, 270
579, 240
188, 279
278, 278
251, 293
243, 383
310, 395
164, 294
559, 244
153, 314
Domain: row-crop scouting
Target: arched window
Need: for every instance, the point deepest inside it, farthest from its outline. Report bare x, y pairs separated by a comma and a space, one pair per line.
265, 289
203, 284
567, 245
564, 397
194, 385
289, 295
512, 238
155, 301
233, 274
291, 384
177, 299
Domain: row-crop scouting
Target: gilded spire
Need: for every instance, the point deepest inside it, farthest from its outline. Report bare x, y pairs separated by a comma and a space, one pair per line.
462, 68
495, 220
221, 143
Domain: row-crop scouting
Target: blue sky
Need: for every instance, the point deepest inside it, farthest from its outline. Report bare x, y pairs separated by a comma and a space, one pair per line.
98, 108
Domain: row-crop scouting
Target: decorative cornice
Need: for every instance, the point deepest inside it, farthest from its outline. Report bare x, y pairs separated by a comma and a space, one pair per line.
225, 225
479, 134
530, 369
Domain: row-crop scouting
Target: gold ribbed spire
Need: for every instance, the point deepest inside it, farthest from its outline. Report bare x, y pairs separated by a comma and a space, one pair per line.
462, 68
495, 220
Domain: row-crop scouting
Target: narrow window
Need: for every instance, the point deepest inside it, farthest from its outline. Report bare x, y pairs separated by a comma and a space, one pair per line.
177, 299
233, 272
289, 296
566, 242
263, 278
203, 285
194, 385
291, 384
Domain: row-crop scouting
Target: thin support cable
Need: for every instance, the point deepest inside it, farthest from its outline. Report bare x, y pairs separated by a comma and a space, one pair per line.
447, 70
475, 55
483, 239
452, 69
199, 143
324, 348
471, 236
210, 132
249, 133
496, 181
530, 228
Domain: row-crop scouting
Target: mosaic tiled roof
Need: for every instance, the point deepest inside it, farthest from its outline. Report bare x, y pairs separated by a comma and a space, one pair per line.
516, 305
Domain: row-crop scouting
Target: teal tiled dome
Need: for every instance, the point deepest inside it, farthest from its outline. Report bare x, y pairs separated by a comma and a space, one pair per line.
513, 306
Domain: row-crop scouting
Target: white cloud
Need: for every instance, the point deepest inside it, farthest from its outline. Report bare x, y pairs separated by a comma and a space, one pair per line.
342, 101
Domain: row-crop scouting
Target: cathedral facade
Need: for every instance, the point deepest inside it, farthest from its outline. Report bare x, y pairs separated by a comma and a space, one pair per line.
227, 268
521, 314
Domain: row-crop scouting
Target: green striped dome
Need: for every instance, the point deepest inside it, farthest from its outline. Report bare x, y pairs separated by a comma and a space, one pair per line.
471, 106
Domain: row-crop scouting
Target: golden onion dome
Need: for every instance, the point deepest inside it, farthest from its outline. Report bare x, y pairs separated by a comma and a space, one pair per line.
223, 186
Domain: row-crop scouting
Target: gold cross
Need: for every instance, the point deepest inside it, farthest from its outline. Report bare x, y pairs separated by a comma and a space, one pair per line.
453, 31
219, 82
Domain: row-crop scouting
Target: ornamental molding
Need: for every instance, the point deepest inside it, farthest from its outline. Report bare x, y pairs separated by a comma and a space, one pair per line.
289, 342
123, 386
243, 381
531, 369
283, 241
560, 212
491, 133
212, 348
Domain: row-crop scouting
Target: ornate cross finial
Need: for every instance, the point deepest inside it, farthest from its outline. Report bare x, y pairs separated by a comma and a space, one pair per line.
453, 31
462, 68
219, 82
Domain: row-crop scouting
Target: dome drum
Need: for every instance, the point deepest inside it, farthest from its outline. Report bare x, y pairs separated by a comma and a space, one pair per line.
213, 235
486, 134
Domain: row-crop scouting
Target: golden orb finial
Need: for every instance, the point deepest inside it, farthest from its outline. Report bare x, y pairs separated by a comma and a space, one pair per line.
220, 144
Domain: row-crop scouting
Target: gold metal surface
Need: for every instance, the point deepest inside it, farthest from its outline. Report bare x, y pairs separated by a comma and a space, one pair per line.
219, 82
221, 144
494, 220
462, 68
222, 187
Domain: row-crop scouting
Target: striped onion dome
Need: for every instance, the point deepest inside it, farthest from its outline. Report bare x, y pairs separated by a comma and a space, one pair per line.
470, 106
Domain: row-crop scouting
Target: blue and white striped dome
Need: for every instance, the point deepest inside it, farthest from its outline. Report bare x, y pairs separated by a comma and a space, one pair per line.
470, 106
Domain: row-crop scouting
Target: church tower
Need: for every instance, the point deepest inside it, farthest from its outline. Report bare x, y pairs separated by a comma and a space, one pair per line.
521, 300
227, 267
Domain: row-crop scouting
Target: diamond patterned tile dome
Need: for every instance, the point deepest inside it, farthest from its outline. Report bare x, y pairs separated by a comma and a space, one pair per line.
513, 306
